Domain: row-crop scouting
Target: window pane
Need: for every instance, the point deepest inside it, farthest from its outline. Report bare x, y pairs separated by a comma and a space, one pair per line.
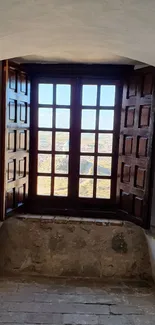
87, 142
44, 163
62, 118
61, 164
44, 140
106, 119
105, 143
63, 94
88, 119
43, 185
107, 95
103, 188
85, 187
87, 165
60, 186
45, 117
104, 166
89, 95
45, 94
62, 141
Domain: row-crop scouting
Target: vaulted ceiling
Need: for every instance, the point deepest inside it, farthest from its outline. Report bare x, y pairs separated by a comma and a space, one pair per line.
101, 31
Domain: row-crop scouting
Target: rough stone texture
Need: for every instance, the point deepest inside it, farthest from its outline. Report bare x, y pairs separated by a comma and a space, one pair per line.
66, 302
57, 247
150, 236
119, 244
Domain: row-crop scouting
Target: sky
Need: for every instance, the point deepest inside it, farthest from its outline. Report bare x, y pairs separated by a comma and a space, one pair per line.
89, 98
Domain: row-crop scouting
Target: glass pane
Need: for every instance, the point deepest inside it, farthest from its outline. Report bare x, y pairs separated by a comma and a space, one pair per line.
85, 187
105, 143
107, 95
87, 165
45, 117
87, 142
89, 95
62, 118
106, 119
44, 163
61, 164
44, 140
45, 94
88, 119
62, 141
43, 185
63, 94
104, 166
103, 188
60, 186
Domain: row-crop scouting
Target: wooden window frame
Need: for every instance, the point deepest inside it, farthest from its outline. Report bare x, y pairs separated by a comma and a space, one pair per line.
48, 73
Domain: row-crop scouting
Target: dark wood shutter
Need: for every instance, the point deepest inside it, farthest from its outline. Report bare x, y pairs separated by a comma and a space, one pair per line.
16, 107
135, 149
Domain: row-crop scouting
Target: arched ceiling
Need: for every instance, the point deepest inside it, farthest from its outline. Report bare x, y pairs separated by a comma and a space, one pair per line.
108, 31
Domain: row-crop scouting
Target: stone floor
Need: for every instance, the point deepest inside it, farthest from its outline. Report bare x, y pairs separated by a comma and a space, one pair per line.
68, 302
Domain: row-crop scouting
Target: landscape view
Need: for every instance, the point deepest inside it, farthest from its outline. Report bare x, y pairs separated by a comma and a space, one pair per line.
62, 142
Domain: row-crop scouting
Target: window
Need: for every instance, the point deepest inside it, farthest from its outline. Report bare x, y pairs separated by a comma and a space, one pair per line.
75, 140
53, 139
97, 118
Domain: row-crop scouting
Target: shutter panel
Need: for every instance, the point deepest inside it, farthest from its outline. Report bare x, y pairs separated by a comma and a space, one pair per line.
16, 148
135, 147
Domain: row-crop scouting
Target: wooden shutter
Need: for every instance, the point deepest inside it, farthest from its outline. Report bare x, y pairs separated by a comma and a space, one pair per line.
135, 149
16, 107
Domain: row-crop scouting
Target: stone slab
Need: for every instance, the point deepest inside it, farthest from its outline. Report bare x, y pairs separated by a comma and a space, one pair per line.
44, 247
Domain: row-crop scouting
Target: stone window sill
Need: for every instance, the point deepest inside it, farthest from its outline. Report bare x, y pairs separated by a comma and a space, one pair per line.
64, 220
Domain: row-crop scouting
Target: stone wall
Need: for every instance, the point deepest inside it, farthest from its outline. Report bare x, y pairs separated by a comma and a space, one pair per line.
73, 247
150, 236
